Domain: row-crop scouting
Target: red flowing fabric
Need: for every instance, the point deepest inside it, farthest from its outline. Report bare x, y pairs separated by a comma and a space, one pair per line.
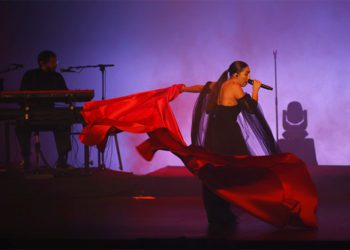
275, 188
137, 113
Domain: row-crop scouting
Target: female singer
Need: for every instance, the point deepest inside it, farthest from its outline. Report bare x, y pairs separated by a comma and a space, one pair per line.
225, 100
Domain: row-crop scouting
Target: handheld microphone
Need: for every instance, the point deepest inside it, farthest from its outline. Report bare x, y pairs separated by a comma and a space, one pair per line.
67, 70
264, 86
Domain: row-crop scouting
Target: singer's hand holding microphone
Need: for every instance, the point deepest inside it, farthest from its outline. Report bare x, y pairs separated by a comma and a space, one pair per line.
256, 85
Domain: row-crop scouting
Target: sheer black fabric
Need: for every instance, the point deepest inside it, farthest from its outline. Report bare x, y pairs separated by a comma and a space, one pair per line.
225, 136
200, 117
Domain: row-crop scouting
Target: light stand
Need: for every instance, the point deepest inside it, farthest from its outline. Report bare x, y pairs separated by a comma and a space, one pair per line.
276, 96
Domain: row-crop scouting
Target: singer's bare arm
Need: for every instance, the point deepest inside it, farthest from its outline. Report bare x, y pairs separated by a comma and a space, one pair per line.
196, 88
255, 95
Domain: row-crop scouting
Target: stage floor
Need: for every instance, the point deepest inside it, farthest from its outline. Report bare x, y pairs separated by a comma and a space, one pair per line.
110, 205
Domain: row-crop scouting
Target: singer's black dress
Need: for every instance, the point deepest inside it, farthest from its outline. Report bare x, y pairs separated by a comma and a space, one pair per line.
224, 136
220, 131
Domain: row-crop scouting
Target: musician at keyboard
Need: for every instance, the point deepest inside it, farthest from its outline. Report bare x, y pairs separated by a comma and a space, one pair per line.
44, 77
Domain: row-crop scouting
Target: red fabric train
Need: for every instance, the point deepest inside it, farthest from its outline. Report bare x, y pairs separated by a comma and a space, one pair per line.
275, 188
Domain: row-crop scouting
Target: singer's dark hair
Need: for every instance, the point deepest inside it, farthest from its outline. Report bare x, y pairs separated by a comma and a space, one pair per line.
45, 55
235, 67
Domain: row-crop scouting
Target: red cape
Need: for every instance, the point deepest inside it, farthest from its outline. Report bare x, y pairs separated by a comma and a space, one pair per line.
276, 188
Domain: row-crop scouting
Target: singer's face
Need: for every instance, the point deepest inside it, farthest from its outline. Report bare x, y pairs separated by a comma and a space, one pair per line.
243, 76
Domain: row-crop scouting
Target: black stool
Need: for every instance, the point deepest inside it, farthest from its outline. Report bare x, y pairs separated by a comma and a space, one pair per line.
101, 151
38, 153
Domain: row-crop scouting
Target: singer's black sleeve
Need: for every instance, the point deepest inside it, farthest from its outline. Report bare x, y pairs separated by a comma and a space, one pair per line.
255, 127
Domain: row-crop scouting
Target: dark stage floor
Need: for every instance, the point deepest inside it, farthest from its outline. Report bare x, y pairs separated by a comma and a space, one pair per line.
134, 210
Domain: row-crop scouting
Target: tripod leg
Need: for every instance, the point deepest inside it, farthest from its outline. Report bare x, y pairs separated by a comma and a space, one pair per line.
118, 152
86, 156
37, 150
101, 153
98, 158
103, 160
44, 159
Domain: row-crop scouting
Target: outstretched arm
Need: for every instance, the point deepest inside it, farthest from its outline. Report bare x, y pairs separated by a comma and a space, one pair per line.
196, 88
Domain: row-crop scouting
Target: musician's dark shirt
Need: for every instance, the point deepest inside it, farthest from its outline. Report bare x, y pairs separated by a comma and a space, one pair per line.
38, 79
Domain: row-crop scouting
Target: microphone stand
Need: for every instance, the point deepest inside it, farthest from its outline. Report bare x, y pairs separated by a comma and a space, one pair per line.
276, 97
103, 73
14, 67
8, 69
102, 67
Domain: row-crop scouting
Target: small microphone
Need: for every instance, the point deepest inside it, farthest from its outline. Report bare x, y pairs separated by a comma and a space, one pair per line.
264, 86
17, 65
67, 70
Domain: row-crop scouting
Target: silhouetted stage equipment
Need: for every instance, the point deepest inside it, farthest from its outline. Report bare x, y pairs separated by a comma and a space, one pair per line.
29, 112
67, 96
